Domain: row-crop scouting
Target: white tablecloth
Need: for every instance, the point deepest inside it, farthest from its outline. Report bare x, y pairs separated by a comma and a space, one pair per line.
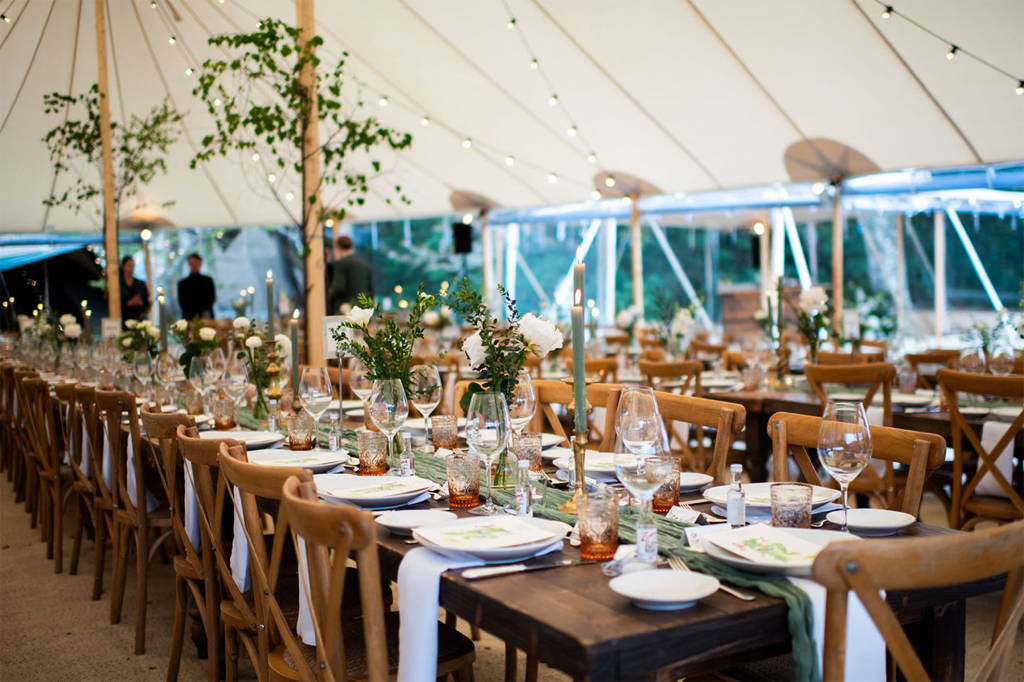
991, 433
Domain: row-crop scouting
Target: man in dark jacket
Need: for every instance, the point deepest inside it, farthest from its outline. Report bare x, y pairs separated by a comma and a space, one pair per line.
196, 293
352, 275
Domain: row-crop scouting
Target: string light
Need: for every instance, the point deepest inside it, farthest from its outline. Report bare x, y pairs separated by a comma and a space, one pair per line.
467, 143
510, 160
553, 178
289, 196
383, 101
425, 121
609, 181
1020, 87
571, 131
553, 100
533, 64
595, 195
7, 20
759, 228
329, 222
255, 156
887, 13
189, 71
467, 219
592, 158
152, 5
818, 188
511, 23
172, 40
271, 178
216, 102
953, 49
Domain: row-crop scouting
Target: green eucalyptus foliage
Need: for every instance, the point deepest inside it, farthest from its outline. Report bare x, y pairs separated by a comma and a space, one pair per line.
139, 148
246, 120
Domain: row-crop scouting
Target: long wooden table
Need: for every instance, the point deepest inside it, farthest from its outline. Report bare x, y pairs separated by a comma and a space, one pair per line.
570, 620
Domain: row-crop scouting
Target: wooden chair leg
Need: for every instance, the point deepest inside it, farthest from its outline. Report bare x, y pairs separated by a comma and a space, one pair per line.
121, 536
532, 668
141, 587
230, 654
213, 631
178, 634
101, 554
474, 633
76, 548
58, 528
511, 661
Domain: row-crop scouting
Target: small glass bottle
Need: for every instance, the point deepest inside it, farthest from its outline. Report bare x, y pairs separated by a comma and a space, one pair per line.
524, 493
646, 539
273, 417
405, 459
334, 436
736, 499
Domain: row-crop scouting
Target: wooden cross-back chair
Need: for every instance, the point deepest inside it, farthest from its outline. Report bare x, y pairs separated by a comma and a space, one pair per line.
727, 419
8, 442
27, 488
652, 342
876, 375
606, 369
190, 568
734, 361
865, 568
949, 358
655, 374
653, 354
920, 453
361, 648
702, 350
202, 459
534, 365
968, 507
68, 458
617, 340
132, 521
93, 487
855, 358
79, 442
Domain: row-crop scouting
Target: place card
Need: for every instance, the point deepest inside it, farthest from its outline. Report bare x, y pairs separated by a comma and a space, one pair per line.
110, 328
328, 324
677, 513
387, 488
767, 545
486, 533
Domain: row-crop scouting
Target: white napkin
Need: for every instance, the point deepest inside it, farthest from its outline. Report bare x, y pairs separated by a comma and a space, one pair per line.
107, 473
240, 548
865, 646
876, 417
991, 433
304, 626
677, 513
151, 501
191, 508
86, 465
419, 585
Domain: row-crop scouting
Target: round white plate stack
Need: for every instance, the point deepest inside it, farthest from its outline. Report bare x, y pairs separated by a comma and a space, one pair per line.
873, 522
664, 590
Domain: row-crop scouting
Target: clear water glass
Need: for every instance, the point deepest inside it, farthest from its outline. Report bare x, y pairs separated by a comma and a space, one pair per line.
487, 432
425, 387
315, 392
236, 379
389, 408
524, 402
844, 445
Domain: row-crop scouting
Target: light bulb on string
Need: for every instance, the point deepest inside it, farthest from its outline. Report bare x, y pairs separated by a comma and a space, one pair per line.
172, 40
592, 158
511, 23
533, 64
553, 178
887, 13
467, 219
271, 178
609, 181
255, 156
7, 20
425, 121
553, 100
571, 132
189, 71
510, 160
216, 102
953, 49
383, 101
152, 5
595, 195
289, 196
1020, 87
818, 188
467, 143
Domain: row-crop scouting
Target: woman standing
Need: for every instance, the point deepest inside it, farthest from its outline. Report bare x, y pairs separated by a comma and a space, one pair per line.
134, 293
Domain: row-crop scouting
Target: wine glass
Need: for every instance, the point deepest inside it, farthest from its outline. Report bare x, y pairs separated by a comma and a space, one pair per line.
389, 408
361, 383
315, 393
143, 370
524, 402
487, 432
844, 444
218, 361
972, 360
202, 375
1000, 361
82, 360
236, 380
425, 389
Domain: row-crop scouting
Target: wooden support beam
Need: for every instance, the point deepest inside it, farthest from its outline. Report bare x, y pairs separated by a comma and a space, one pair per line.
312, 223
838, 223
901, 276
636, 250
107, 151
939, 218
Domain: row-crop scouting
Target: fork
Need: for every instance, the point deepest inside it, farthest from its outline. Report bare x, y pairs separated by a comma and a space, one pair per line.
707, 518
677, 564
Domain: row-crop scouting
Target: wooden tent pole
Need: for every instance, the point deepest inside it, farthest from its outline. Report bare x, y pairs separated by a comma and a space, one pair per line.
939, 224
109, 214
838, 223
312, 225
900, 273
637, 255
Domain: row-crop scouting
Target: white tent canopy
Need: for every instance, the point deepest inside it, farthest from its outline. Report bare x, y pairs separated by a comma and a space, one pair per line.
689, 96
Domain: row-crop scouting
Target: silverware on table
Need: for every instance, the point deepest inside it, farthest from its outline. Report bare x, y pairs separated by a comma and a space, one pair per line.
677, 564
492, 571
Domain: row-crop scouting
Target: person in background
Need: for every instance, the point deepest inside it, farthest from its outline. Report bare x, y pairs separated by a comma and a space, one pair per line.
134, 293
196, 293
352, 275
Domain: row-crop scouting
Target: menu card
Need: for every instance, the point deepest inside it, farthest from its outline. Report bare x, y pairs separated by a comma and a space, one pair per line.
382, 488
767, 545
328, 324
485, 533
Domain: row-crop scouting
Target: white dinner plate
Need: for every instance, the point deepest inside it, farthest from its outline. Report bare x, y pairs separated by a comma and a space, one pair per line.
717, 383
551, 454
847, 396
1006, 413
664, 590
815, 535
404, 522
595, 464
254, 440
758, 495
974, 411
550, 440
420, 424
335, 488
556, 531
912, 399
873, 522
691, 482
313, 460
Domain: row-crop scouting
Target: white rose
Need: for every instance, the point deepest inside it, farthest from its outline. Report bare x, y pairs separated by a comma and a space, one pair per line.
24, 323
359, 316
761, 314
131, 324
473, 347
207, 334
127, 343
346, 308
253, 342
181, 326
284, 345
624, 319
542, 336
446, 312
431, 318
43, 328
873, 322
73, 330
65, 320
681, 322
241, 323
154, 332
813, 300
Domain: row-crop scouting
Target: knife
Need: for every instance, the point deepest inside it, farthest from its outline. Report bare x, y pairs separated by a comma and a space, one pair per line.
492, 571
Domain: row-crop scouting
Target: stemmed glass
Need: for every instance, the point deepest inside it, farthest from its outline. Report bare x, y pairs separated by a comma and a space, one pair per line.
638, 425
315, 393
202, 375
82, 360
362, 385
389, 408
219, 362
143, 370
487, 432
236, 380
425, 386
1000, 361
524, 403
167, 371
844, 445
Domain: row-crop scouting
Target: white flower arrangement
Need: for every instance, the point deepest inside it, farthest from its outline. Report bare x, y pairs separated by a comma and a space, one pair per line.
541, 336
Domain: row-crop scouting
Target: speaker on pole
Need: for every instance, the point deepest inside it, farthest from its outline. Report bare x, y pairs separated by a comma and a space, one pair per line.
463, 237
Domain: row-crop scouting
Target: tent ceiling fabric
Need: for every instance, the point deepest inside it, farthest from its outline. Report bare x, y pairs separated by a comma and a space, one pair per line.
689, 96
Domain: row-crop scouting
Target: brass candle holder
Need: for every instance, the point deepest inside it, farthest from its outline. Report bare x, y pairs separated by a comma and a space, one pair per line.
274, 392
579, 453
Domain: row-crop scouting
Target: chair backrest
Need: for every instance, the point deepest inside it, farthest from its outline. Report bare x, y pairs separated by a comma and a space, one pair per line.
42, 431
333, 533
702, 350
653, 354
655, 374
114, 405
734, 360
74, 444
85, 396
935, 562
855, 358
880, 345
607, 369
617, 338
949, 358
162, 429
951, 383
534, 365
874, 375
921, 453
728, 418
652, 342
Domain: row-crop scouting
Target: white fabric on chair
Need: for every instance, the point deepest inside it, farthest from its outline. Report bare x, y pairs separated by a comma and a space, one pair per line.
240, 548
991, 433
86, 456
191, 508
108, 474
876, 417
151, 501
304, 626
